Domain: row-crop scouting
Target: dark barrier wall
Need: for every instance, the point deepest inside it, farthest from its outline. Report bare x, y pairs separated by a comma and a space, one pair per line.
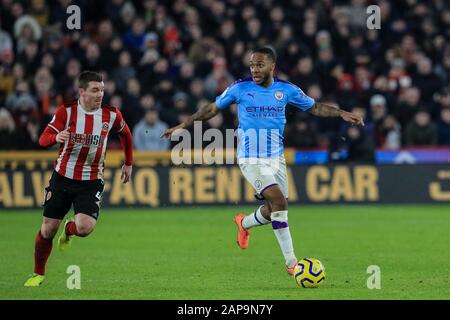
22, 186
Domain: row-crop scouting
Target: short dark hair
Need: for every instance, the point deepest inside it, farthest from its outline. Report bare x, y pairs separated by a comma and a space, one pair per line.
86, 76
267, 51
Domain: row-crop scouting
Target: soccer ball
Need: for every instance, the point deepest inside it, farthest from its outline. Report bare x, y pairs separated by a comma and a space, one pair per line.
309, 273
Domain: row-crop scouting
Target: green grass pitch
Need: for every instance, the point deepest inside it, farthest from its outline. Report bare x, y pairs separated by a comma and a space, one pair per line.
190, 253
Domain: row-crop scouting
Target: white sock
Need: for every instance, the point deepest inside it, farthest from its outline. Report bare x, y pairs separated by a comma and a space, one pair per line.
254, 219
281, 229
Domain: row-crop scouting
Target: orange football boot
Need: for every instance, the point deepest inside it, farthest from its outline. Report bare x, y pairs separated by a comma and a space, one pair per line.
290, 270
243, 234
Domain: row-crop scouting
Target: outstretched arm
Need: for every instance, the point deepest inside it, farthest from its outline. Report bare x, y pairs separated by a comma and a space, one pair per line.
204, 113
326, 110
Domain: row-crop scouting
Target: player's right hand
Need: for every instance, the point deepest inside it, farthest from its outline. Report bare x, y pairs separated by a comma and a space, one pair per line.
63, 136
168, 133
353, 118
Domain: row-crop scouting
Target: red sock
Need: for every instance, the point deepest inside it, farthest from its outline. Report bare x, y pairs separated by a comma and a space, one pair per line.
71, 229
42, 249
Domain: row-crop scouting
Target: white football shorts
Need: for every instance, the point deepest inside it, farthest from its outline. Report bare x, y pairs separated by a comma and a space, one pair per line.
262, 173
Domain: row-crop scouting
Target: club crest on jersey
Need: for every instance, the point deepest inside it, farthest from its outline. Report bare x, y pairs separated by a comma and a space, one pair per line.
279, 95
105, 126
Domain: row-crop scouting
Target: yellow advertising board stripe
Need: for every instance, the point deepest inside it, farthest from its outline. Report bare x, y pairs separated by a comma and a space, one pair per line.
116, 157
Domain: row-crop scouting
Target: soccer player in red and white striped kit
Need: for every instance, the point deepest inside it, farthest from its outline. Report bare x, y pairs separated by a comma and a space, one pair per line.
82, 130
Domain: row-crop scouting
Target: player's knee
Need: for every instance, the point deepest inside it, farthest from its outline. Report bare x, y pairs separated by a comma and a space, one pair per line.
85, 229
49, 230
48, 233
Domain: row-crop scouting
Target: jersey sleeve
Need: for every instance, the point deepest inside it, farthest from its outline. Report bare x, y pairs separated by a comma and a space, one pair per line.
299, 99
119, 123
228, 97
59, 120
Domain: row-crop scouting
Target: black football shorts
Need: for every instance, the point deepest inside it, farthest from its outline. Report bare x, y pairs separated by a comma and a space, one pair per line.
62, 192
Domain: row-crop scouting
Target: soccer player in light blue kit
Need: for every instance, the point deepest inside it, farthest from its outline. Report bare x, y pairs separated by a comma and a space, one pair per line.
261, 101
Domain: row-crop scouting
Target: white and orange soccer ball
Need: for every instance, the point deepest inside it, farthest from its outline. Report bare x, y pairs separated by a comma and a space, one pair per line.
309, 273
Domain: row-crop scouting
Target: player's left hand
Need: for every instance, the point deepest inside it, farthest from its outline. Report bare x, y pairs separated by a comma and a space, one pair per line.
126, 173
353, 118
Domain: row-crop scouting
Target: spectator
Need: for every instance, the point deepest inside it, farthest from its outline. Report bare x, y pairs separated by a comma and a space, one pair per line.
347, 98
360, 147
151, 53
427, 82
378, 108
421, 131
363, 80
19, 72
391, 135
408, 104
124, 72
197, 91
219, 79
10, 139
228, 35
30, 57
304, 74
112, 53
301, 134
22, 90
147, 133
6, 43
127, 16
67, 84
105, 34
148, 102
181, 102
134, 39
443, 69
377, 116
24, 108
186, 75
314, 92
131, 102
442, 101
113, 10
26, 30
381, 85
92, 59
444, 127
45, 89
398, 77
60, 54
7, 78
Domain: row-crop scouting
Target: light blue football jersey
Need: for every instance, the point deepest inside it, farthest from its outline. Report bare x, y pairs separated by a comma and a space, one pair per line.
261, 114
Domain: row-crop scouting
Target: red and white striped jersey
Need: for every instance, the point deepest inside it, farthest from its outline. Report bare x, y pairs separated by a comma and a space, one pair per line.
81, 157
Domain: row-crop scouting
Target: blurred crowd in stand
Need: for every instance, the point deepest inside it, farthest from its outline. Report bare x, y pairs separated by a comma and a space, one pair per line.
161, 60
